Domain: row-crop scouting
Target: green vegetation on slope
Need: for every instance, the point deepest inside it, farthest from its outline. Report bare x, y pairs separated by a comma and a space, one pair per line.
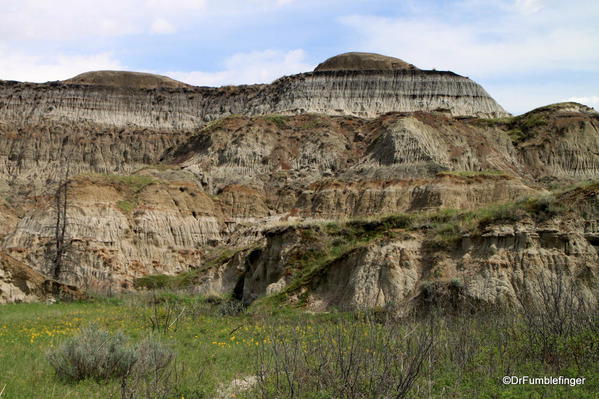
280, 121
135, 183
325, 243
129, 185
186, 279
520, 128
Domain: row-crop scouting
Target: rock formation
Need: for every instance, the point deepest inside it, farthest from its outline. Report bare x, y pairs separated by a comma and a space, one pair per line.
125, 79
164, 177
20, 283
403, 264
125, 99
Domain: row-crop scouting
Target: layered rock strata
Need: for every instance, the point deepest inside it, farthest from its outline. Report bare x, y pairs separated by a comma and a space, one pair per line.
500, 265
364, 93
224, 184
163, 175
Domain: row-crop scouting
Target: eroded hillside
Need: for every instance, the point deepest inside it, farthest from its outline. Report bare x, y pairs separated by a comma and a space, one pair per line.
223, 187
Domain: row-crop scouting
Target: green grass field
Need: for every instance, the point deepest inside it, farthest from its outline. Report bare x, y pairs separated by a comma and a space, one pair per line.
214, 346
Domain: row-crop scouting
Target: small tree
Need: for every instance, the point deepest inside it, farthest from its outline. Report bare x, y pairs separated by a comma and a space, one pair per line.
61, 198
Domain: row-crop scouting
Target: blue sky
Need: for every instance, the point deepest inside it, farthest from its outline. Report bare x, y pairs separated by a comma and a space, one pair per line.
526, 53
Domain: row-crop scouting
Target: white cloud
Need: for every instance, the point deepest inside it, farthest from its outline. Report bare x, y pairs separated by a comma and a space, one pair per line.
529, 52
242, 68
74, 20
162, 26
78, 20
248, 68
591, 101
23, 67
477, 49
528, 6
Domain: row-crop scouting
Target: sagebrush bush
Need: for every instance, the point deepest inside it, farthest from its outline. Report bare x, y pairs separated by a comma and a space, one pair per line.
97, 354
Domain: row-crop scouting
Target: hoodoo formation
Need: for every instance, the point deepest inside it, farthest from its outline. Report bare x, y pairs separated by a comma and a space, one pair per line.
166, 178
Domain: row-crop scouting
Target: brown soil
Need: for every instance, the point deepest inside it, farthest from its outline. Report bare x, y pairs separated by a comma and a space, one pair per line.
364, 62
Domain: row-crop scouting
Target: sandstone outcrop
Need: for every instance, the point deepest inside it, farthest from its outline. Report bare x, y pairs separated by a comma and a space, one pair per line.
120, 229
226, 183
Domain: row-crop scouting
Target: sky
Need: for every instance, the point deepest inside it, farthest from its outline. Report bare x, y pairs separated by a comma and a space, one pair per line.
525, 53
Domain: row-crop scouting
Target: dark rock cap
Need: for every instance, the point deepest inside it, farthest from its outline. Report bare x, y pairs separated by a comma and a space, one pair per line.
363, 62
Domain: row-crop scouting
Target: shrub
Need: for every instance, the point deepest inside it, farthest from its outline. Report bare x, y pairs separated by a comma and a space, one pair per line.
99, 355
126, 206
152, 357
279, 120
153, 281
456, 283
560, 325
94, 353
344, 360
230, 307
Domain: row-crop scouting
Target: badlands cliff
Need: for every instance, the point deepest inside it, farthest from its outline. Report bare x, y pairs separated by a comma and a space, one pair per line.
127, 99
234, 187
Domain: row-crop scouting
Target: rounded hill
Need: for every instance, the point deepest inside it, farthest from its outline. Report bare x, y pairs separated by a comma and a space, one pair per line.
135, 80
364, 62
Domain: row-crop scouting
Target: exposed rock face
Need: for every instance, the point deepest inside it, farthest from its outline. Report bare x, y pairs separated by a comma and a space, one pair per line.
499, 266
238, 176
111, 240
19, 283
160, 181
363, 62
33, 155
131, 99
496, 268
372, 93
560, 140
